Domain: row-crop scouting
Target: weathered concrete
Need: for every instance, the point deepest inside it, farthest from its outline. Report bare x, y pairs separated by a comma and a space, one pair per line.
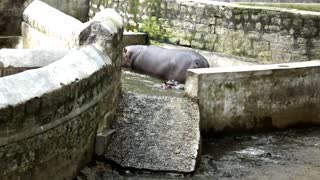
30, 57
13, 61
156, 133
78, 9
256, 97
135, 38
281, 154
11, 13
54, 30
49, 116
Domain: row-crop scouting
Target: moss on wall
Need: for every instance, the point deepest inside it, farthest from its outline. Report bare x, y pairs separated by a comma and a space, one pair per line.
151, 25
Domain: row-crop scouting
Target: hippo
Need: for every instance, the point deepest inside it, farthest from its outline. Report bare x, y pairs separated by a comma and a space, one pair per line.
167, 64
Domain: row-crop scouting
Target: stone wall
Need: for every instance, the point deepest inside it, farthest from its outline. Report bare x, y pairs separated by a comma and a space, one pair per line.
269, 34
11, 13
49, 116
256, 97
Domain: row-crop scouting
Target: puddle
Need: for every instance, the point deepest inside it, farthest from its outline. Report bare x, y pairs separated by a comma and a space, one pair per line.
143, 84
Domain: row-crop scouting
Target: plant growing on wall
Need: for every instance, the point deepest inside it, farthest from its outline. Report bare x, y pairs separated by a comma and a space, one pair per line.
154, 30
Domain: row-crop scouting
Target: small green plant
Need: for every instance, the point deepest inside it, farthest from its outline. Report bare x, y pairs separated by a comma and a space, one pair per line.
154, 29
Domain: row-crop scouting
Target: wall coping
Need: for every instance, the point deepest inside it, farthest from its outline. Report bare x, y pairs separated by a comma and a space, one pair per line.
231, 69
30, 57
74, 66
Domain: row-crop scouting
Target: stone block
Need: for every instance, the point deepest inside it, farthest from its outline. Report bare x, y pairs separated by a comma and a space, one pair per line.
271, 37
279, 47
253, 35
309, 32
102, 141
280, 57
198, 44
260, 46
155, 133
286, 40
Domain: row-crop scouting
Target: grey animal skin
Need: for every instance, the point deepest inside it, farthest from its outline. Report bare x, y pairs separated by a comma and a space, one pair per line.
167, 64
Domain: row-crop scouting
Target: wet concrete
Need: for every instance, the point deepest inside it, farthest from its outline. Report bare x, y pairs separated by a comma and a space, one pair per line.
280, 154
143, 84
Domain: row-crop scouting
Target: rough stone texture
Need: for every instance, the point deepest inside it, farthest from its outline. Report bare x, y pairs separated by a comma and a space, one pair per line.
218, 59
155, 133
271, 35
256, 97
49, 116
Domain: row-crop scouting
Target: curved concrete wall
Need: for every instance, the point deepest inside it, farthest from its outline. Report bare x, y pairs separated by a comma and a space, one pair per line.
256, 97
13, 61
11, 13
272, 35
55, 30
49, 116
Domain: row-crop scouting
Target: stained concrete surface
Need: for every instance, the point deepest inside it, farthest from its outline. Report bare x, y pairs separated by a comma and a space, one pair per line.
279, 154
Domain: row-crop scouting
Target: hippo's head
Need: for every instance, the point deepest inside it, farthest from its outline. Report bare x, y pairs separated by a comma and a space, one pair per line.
130, 54
126, 57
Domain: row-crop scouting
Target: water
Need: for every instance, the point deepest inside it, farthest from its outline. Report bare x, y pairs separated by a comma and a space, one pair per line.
144, 84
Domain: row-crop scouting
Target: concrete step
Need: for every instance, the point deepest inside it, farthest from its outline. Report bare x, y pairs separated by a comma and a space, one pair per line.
156, 133
135, 38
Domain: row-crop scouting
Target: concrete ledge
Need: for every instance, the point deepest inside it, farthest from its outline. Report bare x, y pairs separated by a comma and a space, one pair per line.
135, 38
256, 97
51, 22
30, 57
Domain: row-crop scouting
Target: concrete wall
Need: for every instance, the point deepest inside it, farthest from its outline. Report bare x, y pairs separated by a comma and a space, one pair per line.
61, 32
256, 97
11, 13
13, 61
49, 116
269, 34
